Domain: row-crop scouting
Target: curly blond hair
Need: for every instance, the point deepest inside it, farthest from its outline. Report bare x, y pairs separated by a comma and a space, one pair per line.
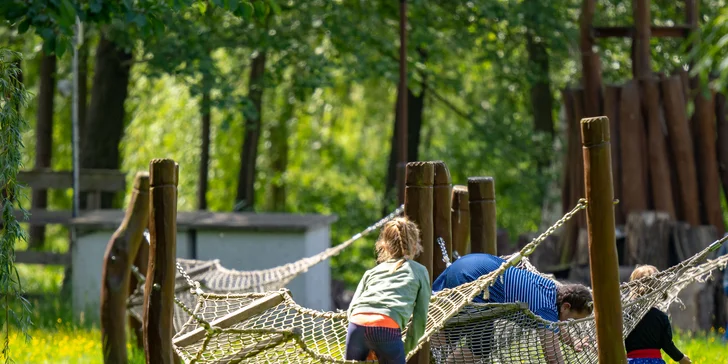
399, 239
642, 271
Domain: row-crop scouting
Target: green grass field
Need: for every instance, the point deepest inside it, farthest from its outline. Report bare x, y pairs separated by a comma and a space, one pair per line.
58, 337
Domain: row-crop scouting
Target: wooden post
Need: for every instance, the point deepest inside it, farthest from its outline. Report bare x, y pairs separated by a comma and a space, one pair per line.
159, 289
418, 207
603, 262
633, 148
611, 111
721, 116
120, 251
441, 194
681, 146
641, 67
483, 232
659, 165
460, 220
591, 68
704, 131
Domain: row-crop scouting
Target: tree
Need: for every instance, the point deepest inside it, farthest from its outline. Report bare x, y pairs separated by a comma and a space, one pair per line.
12, 98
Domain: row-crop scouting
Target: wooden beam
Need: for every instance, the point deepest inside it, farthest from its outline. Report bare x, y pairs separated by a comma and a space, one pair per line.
45, 258
105, 180
442, 218
676, 31
44, 217
483, 232
460, 218
254, 308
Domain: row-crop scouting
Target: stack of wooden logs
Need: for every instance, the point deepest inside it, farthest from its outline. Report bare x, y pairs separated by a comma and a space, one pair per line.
669, 158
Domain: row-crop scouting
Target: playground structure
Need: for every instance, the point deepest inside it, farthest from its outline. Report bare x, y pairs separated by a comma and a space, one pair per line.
266, 327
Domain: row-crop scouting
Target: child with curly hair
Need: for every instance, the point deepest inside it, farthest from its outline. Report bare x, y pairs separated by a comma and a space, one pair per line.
388, 295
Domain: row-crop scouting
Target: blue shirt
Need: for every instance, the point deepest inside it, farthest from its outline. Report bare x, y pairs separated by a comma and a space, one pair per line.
516, 285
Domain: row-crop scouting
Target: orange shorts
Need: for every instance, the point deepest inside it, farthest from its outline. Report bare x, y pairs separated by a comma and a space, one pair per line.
373, 319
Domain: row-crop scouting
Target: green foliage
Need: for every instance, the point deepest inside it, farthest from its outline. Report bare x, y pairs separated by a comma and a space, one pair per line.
12, 97
711, 53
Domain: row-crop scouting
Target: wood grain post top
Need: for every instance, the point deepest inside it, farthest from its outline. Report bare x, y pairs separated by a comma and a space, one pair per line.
442, 174
481, 188
420, 174
594, 131
141, 182
460, 198
162, 172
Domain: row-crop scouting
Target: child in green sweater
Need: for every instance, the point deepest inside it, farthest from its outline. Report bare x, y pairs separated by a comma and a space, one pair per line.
388, 295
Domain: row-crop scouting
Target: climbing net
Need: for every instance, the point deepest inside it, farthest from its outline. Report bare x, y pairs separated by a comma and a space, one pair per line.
211, 277
271, 328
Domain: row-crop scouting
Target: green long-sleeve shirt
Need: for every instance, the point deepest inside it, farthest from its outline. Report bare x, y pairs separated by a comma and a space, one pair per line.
400, 295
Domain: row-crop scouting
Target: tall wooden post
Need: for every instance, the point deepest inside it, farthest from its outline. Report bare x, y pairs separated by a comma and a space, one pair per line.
603, 262
418, 207
159, 289
120, 251
460, 220
441, 194
483, 233
641, 42
141, 262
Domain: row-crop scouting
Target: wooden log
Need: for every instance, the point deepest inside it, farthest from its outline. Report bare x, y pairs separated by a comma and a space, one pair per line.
159, 288
460, 220
632, 145
684, 84
418, 207
580, 112
120, 251
573, 191
43, 258
483, 231
603, 262
641, 67
648, 238
704, 130
591, 67
681, 147
442, 215
611, 111
721, 121
659, 165
141, 262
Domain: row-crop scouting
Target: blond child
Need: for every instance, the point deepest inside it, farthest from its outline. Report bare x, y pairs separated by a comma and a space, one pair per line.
388, 295
652, 333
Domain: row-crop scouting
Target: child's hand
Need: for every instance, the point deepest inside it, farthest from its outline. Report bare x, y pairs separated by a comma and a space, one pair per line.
685, 360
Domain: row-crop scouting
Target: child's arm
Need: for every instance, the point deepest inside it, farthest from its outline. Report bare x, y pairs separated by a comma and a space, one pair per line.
669, 346
419, 314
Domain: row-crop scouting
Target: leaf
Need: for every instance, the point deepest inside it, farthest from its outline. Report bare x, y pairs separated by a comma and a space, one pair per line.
23, 26
260, 9
61, 47
246, 10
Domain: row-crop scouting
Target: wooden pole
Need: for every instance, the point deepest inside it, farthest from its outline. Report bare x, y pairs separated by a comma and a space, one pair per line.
633, 148
418, 207
603, 262
402, 97
442, 218
705, 132
611, 111
659, 165
681, 147
642, 23
721, 116
460, 220
591, 68
483, 233
120, 251
159, 289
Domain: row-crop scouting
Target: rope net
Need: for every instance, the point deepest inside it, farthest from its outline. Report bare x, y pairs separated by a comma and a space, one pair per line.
210, 276
271, 328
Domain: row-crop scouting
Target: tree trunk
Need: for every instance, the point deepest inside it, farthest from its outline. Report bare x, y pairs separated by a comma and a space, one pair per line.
245, 199
279, 155
204, 150
82, 85
415, 110
721, 116
104, 127
43, 139
541, 98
